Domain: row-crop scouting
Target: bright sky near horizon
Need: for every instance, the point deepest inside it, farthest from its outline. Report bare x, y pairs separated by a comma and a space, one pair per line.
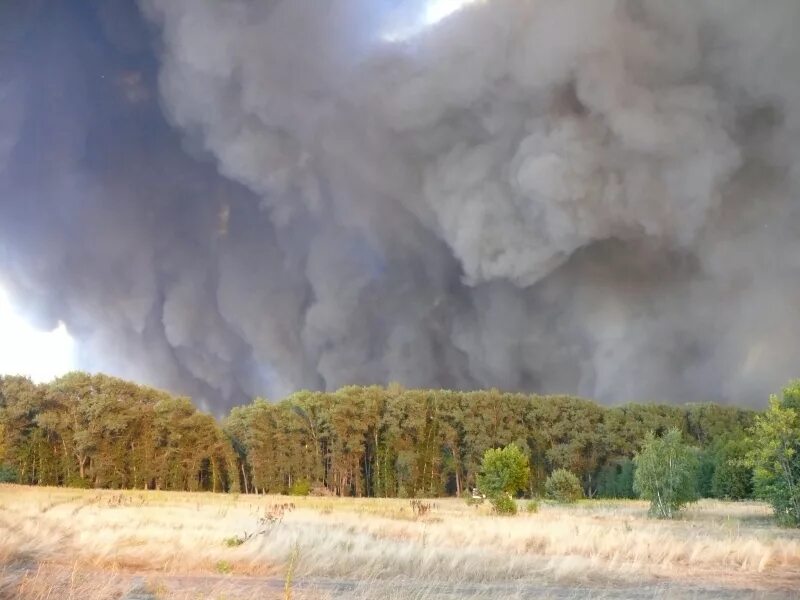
435, 11
25, 350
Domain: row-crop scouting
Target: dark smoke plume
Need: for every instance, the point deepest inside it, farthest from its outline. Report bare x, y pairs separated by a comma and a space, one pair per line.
250, 197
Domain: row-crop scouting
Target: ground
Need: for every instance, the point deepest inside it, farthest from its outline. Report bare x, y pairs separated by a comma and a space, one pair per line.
137, 545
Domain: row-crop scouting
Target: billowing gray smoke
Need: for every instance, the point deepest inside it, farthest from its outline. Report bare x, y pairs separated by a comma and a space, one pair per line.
598, 197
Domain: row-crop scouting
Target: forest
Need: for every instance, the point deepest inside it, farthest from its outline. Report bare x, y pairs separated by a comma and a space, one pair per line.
84, 430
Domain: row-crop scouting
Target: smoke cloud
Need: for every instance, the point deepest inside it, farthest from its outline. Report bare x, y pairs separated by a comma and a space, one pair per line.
239, 198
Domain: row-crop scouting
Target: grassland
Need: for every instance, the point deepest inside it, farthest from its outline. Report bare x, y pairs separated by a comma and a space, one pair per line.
92, 545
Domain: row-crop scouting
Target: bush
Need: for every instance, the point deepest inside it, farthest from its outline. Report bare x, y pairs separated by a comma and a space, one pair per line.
532, 506
504, 504
234, 541
562, 486
775, 455
300, 488
224, 567
666, 473
503, 471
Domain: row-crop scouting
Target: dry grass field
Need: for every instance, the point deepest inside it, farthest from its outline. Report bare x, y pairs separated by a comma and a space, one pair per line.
92, 545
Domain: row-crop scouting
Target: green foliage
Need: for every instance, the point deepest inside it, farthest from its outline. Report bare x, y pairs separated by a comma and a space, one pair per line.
8, 474
504, 504
532, 506
85, 430
563, 486
504, 471
710, 424
102, 432
300, 488
666, 473
615, 479
234, 541
733, 476
223, 567
722, 470
706, 465
775, 455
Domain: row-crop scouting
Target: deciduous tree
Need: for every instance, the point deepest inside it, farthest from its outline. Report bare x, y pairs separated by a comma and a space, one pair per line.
666, 473
775, 455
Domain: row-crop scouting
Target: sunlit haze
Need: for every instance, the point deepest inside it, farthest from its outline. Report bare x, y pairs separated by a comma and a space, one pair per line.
435, 11
441, 9
24, 350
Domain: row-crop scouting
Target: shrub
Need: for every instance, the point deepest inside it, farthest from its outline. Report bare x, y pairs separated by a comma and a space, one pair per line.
234, 541
666, 473
532, 506
224, 567
504, 504
775, 455
504, 471
300, 488
563, 486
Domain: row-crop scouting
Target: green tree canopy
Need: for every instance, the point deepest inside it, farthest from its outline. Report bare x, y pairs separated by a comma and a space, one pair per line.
666, 471
92, 430
504, 471
733, 476
775, 455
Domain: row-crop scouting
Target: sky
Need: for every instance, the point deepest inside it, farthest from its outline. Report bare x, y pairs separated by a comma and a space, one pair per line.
431, 14
24, 350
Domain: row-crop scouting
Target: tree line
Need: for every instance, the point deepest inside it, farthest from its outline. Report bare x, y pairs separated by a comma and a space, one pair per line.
87, 430
97, 431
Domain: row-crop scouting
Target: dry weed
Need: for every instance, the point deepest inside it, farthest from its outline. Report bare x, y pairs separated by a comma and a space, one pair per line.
356, 540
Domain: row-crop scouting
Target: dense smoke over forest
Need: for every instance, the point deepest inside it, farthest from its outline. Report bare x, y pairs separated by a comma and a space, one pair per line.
239, 198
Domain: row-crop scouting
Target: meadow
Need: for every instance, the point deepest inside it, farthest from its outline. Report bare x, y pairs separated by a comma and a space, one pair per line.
89, 544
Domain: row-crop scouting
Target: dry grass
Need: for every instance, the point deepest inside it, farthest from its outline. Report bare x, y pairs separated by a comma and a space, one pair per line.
57, 543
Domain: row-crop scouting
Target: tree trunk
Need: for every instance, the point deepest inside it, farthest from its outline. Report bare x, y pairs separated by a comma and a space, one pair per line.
244, 477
